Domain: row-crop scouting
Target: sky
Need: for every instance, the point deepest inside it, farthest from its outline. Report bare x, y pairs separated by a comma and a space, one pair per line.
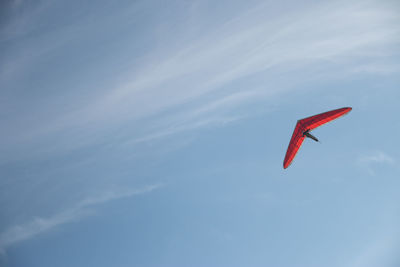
152, 133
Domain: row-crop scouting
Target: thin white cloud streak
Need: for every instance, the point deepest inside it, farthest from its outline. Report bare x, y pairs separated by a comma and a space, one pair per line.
254, 43
200, 117
184, 127
39, 225
378, 68
378, 157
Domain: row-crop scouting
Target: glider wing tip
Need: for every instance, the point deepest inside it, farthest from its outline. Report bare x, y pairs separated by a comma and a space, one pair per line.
285, 165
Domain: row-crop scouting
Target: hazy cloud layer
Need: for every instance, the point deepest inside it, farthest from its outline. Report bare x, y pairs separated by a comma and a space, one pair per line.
106, 77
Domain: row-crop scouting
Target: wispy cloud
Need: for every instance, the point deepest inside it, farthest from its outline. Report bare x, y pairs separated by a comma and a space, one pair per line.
207, 72
378, 157
41, 225
248, 45
212, 113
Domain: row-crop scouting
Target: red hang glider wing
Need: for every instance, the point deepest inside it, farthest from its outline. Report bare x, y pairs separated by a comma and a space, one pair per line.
315, 121
309, 123
294, 145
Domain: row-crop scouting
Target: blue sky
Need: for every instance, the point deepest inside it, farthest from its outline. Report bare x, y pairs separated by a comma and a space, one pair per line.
150, 133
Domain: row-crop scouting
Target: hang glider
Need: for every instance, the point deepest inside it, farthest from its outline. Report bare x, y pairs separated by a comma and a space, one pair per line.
303, 128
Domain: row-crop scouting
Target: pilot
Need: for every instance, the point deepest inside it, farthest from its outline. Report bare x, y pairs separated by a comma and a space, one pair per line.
307, 134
